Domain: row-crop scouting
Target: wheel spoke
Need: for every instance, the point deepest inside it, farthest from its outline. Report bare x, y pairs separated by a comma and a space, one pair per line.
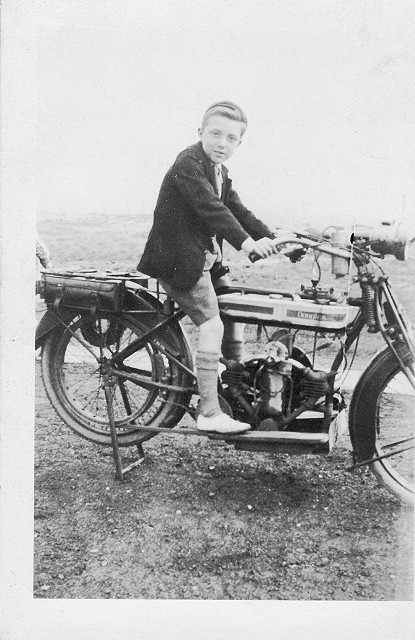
124, 395
75, 383
394, 457
395, 444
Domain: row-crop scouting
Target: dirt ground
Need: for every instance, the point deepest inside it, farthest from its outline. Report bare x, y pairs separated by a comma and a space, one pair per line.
200, 520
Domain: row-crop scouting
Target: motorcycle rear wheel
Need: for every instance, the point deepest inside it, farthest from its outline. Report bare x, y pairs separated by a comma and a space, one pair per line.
73, 379
383, 410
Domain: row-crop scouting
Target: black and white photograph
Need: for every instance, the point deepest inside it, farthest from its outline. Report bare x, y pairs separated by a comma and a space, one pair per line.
207, 319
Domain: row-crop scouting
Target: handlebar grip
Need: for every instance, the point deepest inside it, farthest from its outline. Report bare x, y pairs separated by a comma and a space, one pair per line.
254, 257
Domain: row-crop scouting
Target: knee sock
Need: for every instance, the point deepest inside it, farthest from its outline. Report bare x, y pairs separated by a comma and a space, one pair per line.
207, 382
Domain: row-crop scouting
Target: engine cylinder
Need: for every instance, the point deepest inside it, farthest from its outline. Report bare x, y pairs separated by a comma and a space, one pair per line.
315, 383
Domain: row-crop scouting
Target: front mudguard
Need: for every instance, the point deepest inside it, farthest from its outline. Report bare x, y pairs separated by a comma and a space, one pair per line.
363, 406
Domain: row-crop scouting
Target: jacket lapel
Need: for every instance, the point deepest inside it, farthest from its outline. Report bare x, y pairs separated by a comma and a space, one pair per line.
212, 177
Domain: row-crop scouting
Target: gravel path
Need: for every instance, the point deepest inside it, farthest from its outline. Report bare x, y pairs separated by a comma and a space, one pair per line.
199, 520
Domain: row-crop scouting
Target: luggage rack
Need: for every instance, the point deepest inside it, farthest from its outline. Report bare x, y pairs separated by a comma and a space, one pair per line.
133, 280
130, 280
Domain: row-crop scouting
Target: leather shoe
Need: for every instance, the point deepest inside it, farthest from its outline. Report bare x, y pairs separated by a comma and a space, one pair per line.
221, 424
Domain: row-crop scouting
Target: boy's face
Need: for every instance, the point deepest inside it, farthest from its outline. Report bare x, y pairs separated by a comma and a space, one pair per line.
220, 137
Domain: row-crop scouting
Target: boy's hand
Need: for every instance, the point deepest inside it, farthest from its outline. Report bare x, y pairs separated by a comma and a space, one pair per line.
263, 247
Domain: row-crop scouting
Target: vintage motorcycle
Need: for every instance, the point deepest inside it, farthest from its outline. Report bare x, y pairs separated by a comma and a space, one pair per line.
118, 368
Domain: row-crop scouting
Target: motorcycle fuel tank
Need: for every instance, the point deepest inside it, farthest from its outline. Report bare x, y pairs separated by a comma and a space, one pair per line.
295, 311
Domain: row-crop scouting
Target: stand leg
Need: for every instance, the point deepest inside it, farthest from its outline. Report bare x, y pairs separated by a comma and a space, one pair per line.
140, 459
119, 471
140, 451
115, 450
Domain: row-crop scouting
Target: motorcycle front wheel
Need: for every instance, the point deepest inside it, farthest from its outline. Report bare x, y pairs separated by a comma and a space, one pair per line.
73, 379
382, 415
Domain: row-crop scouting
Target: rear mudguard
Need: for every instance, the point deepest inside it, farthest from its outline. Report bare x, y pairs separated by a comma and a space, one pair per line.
49, 322
141, 300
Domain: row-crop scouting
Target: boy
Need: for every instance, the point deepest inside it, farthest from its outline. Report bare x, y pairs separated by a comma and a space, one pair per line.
196, 209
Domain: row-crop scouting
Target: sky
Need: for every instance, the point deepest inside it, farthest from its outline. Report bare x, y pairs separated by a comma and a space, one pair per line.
327, 88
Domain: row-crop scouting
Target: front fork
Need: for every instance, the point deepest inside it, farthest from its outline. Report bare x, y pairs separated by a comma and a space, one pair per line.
396, 328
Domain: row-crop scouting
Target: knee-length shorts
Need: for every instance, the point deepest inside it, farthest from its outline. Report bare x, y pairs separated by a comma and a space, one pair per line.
200, 302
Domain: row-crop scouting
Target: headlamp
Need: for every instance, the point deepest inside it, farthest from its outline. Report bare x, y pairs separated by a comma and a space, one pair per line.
386, 239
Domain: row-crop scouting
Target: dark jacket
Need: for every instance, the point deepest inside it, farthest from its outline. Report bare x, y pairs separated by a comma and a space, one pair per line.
187, 214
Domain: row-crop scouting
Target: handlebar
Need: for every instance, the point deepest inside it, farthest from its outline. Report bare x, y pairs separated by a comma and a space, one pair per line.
295, 254
384, 240
254, 257
302, 242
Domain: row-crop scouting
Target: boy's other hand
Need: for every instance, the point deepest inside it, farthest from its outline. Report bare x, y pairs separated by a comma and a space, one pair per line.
266, 245
263, 247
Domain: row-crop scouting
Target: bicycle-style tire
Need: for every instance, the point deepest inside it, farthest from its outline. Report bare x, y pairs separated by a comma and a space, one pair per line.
73, 381
382, 412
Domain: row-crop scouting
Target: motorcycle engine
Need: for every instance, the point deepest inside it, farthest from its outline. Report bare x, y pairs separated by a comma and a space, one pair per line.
264, 390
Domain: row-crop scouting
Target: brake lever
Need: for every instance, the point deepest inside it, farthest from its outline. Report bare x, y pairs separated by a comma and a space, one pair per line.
295, 255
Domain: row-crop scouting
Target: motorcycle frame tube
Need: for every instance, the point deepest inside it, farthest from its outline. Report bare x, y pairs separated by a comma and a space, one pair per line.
352, 332
139, 342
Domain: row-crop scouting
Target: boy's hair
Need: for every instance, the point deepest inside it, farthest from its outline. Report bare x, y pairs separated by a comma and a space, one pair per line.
227, 110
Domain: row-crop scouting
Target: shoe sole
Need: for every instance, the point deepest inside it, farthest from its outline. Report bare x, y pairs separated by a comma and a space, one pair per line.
224, 433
